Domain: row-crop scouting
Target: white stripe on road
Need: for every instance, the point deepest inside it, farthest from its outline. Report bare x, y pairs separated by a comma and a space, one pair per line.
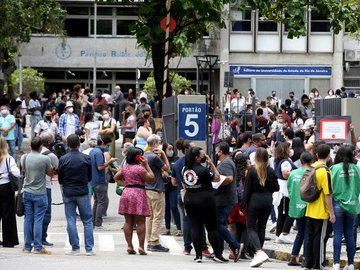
106, 242
170, 242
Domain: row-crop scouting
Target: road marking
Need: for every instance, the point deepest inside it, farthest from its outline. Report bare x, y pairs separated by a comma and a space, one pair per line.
172, 244
106, 242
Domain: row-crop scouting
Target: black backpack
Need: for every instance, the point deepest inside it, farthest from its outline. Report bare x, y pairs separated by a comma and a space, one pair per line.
59, 149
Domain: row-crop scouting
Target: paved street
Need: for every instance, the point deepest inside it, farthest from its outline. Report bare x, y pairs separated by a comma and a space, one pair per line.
110, 247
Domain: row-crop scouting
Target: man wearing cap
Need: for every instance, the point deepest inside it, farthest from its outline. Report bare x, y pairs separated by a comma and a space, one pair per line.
69, 122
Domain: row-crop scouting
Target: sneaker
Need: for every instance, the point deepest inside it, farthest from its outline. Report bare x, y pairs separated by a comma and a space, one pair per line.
245, 257
159, 248
73, 252
278, 241
42, 251
293, 262
336, 266
286, 239
206, 253
46, 243
90, 253
149, 247
259, 258
186, 252
237, 252
220, 259
349, 267
99, 228
273, 228
198, 259
26, 251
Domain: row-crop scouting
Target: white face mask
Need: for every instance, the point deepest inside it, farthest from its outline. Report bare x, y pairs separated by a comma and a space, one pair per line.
4, 111
358, 145
106, 116
70, 110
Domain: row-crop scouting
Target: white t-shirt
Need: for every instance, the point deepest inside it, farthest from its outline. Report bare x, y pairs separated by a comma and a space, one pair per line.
33, 104
93, 128
44, 126
110, 122
70, 125
298, 122
4, 176
237, 105
54, 163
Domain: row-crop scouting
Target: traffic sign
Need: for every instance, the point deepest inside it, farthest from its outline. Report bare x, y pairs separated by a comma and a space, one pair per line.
172, 24
192, 121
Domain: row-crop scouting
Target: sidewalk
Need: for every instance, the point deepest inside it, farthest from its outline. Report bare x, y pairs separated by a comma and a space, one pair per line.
282, 252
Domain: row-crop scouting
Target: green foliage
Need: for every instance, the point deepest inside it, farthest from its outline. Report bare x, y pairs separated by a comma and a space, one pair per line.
178, 84
32, 80
292, 13
20, 18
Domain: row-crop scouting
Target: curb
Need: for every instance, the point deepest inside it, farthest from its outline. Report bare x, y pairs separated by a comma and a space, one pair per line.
281, 255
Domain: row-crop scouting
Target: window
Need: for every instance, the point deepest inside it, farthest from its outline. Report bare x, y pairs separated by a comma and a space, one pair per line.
107, 11
241, 21
127, 11
77, 10
320, 22
123, 27
77, 27
104, 27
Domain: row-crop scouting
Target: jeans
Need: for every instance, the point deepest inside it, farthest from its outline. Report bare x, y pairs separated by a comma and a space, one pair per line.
83, 204
35, 207
344, 225
12, 147
47, 217
18, 135
101, 201
301, 237
171, 198
187, 230
284, 222
222, 222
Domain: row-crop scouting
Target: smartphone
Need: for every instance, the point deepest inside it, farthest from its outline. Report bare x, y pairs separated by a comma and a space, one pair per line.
138, 158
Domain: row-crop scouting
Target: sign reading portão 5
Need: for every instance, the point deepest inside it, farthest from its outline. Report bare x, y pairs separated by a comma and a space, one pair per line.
192, 121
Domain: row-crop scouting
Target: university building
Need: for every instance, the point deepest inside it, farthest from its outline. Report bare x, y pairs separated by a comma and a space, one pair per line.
258, 53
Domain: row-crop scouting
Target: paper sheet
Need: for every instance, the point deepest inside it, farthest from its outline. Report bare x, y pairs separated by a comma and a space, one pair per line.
216, 185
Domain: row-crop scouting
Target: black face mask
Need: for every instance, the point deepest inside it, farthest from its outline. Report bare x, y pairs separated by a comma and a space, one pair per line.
82, 140
127, 115
203, 160
146, 116
307, 137
291, 97
48, 118
273, 95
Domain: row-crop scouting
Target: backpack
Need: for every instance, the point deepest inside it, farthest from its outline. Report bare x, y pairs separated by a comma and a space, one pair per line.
309, 191
224, 131
58, 149
116, 131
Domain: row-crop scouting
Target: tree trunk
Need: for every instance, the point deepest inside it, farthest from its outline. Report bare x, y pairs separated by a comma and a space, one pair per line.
2, 82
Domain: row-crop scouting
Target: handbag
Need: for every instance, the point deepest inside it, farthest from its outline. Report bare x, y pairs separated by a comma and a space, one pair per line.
14, 181
119, 190
19, 203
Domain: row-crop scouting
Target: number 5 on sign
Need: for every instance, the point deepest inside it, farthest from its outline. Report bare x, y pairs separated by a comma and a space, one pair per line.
190, 123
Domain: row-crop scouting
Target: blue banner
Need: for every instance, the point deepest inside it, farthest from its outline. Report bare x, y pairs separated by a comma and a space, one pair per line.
192, 121
281, 70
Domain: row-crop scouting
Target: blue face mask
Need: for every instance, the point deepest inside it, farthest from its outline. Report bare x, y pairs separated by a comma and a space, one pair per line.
107, 149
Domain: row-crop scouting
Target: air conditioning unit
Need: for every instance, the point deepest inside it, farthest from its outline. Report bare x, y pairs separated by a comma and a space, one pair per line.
352, 55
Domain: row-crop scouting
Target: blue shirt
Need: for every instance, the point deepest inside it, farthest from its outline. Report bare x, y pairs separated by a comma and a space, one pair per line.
177, 172
97, 159
6, 123
74, 173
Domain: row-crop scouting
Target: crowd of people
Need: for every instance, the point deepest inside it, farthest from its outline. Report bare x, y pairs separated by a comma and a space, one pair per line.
226, 196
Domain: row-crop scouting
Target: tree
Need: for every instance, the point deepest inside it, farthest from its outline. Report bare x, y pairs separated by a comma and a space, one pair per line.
292, 13
19, 19
32, 81
178, 84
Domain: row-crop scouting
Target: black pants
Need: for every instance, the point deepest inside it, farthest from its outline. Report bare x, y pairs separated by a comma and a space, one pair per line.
258, 213
201, 210
316, 229
7, 216
284, 222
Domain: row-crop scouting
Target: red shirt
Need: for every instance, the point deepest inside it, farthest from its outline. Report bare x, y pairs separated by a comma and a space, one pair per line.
101, 102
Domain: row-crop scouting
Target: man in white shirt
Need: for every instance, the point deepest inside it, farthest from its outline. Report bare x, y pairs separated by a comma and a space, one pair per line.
237, 104
47, 140
47, 125
35, 109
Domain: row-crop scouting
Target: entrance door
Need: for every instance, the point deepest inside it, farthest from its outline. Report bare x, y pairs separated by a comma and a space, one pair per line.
282, 87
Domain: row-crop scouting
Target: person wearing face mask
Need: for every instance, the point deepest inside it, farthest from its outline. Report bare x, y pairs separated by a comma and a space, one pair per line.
69, 122
7, 129
35, 110
199, 201
305, 106
143, 106
98, 179
155, 193
108, 127
171, 194
294, 101
47, 125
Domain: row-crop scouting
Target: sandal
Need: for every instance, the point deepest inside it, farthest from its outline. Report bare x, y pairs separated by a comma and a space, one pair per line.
167, 232
131, 251
142, 251
179, 233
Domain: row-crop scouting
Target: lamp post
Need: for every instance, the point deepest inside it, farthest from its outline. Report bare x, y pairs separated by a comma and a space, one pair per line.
95, 30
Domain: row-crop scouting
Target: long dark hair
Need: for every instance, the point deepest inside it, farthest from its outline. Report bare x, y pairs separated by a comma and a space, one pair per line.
344, 155
241, 161
282, 152
298, 147
190, 156
182, 145
132, 153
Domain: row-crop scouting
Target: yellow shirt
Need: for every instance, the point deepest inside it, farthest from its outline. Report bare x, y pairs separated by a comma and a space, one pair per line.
318, 209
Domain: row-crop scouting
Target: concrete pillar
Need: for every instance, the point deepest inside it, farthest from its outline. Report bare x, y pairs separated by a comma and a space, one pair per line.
337, 69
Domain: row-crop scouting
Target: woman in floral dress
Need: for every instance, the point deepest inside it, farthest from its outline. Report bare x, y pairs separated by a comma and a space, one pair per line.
133, 202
